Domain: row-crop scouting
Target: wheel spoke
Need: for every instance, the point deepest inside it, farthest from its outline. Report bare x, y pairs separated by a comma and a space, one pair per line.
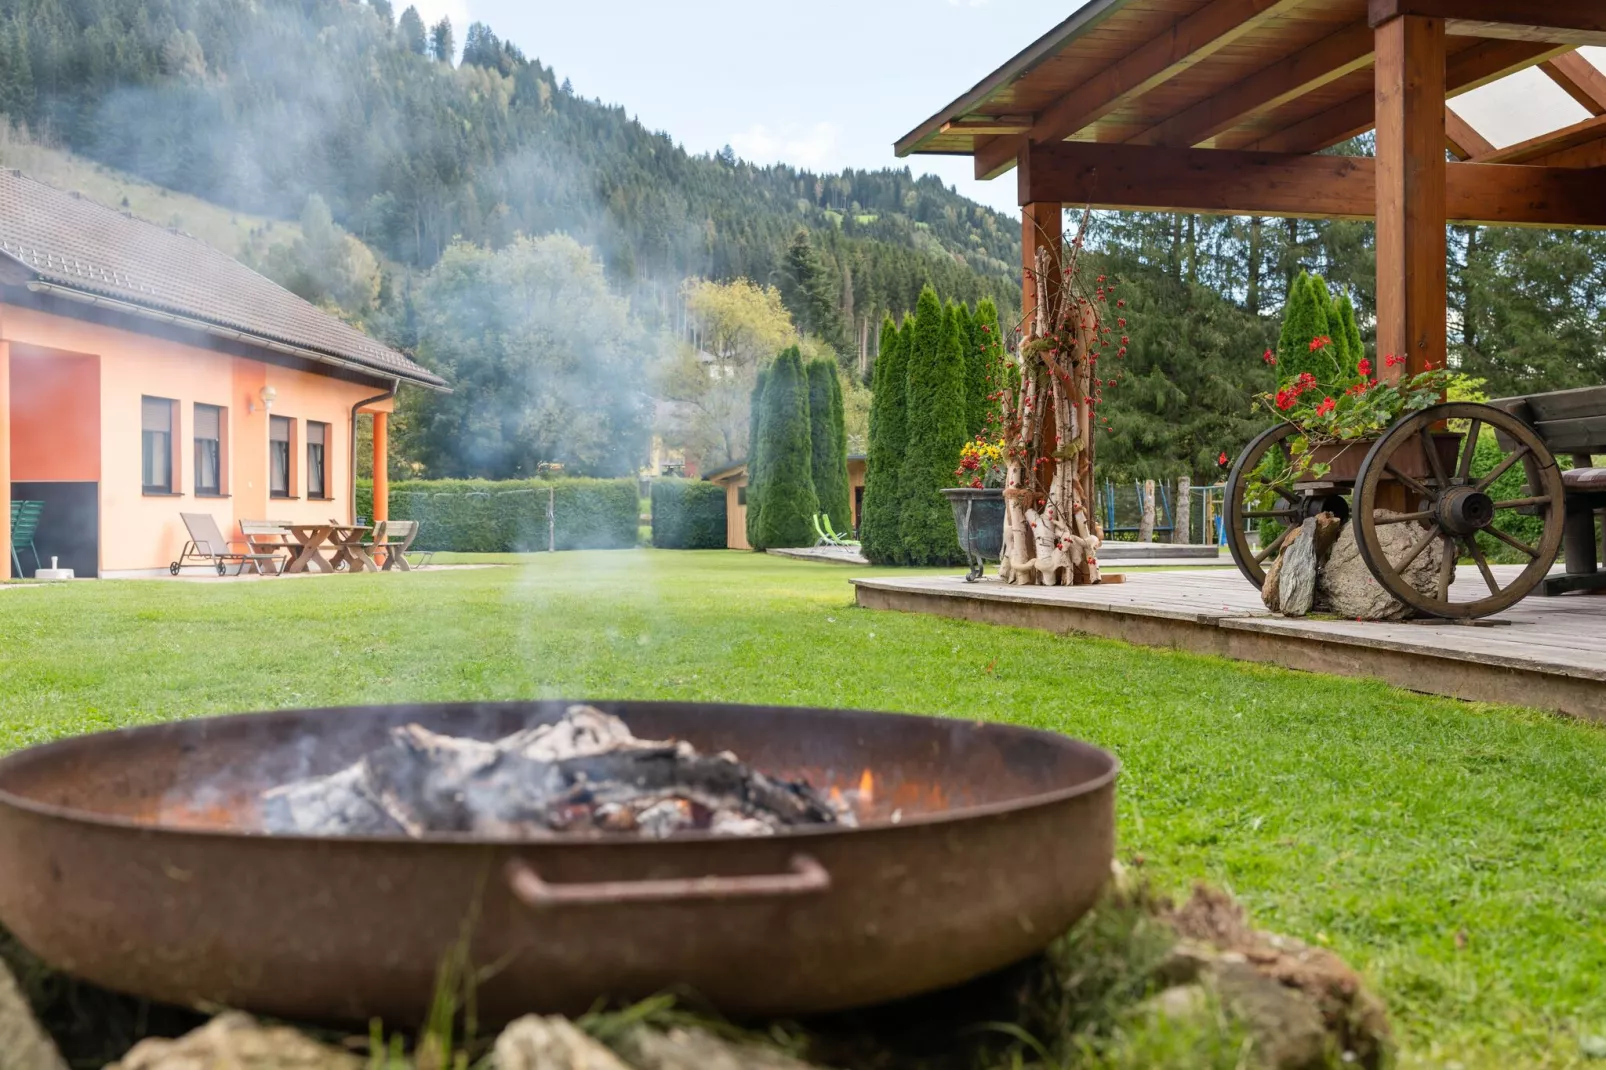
1518, 503
1417, 548
1500, 469
1446, 568
1402, 518
1469, 447
1476, 551
1431, 450
1265, 514
1410, 483
1267, 550
1512, 541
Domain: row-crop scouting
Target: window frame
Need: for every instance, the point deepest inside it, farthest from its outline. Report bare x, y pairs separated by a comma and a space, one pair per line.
290, 493
146, 454
323, 492
221, 490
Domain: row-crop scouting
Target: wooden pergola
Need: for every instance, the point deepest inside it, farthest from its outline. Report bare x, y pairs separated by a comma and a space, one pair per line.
1225, 106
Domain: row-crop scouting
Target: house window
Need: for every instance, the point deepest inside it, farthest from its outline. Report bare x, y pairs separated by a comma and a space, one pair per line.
317, 476
741, 494
209, 449
156, 444
281, 476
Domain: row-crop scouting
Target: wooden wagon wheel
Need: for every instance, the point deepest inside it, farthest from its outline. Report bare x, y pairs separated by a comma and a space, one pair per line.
1447, 503
1268, 457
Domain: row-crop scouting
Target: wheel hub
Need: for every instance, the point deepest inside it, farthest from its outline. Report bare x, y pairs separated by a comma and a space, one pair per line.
1465, 510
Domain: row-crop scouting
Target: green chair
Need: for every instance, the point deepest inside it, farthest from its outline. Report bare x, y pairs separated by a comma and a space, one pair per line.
837, 537
24, 522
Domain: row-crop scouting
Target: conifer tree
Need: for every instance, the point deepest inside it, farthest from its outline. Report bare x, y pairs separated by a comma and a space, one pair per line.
986, 346
1305, 320
829, 440
755, 421
936, 432
785, 455
1354, 348
413, 35
878, 527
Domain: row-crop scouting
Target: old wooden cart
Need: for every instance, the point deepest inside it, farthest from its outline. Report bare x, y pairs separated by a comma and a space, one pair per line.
1437, 471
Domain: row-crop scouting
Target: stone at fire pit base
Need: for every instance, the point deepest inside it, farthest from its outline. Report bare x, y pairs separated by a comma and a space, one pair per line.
537, 1043
237, 1042
697, 1049
23, 1044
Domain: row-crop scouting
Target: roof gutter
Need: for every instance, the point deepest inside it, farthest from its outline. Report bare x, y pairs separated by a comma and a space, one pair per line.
229, 333
351, 437
1083, 20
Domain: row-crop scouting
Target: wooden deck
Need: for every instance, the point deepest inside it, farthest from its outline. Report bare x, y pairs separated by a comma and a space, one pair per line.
1550, 653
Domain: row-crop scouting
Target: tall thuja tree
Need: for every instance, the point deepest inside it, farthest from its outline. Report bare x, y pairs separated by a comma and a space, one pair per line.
1304, 320
828, 436
936, 432
878, 527
986, 349
1354, 348
785, 454
755, 423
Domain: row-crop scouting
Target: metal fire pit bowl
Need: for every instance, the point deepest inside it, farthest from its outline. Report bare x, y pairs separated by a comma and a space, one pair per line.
131, 859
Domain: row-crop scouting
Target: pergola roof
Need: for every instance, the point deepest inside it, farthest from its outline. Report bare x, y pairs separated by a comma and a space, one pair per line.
1280, 76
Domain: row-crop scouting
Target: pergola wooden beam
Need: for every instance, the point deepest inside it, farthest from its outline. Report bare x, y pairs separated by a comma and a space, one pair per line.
1546, 146
1328, 60
1463, 138
1189, 42
1225, 182
1465, 71
1574, 22
1580, 79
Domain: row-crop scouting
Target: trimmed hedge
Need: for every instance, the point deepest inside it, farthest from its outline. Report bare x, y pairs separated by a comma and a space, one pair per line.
509, 516
688, 515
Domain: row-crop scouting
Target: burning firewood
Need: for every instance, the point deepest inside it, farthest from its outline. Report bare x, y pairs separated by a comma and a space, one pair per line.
585, 773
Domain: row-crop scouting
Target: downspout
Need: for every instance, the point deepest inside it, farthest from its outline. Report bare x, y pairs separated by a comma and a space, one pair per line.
351, 438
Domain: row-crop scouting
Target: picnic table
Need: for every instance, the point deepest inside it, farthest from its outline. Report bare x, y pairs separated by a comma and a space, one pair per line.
343, 541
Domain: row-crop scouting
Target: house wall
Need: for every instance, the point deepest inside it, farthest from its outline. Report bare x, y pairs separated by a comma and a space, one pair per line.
55, 416
143, 531
856, 470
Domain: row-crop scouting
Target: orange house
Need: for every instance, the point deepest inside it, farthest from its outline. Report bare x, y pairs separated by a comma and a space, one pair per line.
144, 374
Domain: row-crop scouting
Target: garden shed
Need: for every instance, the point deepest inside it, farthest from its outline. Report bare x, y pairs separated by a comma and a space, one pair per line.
733, 477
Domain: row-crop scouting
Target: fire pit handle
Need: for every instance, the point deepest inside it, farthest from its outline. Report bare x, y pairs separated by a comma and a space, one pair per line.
805, 876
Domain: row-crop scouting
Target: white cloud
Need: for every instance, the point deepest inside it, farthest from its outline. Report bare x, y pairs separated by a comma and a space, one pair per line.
812, 147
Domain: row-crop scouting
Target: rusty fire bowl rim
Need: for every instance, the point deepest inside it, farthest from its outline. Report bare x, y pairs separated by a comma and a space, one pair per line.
44, 752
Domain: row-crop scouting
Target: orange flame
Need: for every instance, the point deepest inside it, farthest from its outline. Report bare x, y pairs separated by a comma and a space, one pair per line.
866, 788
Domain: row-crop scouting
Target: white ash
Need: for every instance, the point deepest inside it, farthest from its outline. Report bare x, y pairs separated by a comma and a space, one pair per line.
584, 773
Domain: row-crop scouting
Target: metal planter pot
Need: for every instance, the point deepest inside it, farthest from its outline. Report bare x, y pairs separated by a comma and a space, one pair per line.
979, 516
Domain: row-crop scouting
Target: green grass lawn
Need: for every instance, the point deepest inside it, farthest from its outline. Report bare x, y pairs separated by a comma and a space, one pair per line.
1454, 852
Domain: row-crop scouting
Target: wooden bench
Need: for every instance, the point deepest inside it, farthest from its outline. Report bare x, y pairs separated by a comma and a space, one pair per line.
1572, 424
268, 537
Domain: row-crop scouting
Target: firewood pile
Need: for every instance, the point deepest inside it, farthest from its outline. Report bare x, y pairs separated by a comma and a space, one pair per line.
585, 773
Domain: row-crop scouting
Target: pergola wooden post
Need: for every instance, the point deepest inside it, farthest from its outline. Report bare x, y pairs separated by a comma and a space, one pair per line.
1412, 249
1042, 228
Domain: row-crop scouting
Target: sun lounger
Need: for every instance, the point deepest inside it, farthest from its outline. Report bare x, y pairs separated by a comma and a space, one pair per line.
208, 545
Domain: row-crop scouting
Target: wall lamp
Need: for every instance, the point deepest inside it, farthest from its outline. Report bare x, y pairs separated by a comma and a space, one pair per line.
267, 394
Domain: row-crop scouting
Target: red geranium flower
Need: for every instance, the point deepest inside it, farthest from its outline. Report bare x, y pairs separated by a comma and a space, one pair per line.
1364, 366
1320, 342
1327, 406
1269, 357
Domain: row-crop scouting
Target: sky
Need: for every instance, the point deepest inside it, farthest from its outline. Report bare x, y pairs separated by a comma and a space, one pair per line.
833, 83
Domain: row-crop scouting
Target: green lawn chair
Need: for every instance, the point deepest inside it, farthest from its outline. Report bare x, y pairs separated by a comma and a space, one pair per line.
24, 522
820, 537
837, 538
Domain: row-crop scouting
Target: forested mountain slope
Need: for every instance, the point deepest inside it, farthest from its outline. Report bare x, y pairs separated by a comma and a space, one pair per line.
258, 105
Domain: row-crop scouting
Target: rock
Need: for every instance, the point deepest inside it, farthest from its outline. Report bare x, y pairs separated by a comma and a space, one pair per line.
1187, 962
237, 1042
24, 1045
537, 1043
1288, 1029
1347, 587
1296, 582
698, 1049
1268, 589
1328, 527
1179, 1003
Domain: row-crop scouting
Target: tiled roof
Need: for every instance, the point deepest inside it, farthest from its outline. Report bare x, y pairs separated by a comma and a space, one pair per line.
72, 242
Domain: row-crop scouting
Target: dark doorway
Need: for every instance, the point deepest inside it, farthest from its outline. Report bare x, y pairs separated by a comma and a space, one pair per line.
69, 526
